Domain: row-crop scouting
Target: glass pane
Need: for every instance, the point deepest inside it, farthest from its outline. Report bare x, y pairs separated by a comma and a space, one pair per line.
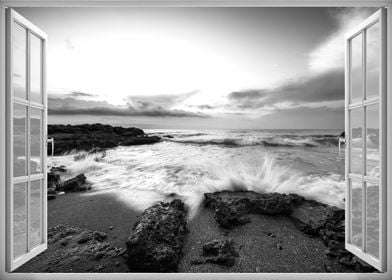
356, 119
372, 219
19, 61
356, 69
356, 210
19, 154
19, 219
35, 213
372, 141
35, 69
35, 141
373, 44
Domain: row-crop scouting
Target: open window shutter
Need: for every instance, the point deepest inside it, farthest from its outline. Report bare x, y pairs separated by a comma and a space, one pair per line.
26, 141
365, 110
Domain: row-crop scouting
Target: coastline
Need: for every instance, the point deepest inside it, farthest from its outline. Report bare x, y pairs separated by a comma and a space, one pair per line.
256, 242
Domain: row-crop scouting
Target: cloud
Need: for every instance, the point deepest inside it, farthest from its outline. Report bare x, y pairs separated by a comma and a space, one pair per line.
329, 55
82, 94
163, 100
315, 89
72, 106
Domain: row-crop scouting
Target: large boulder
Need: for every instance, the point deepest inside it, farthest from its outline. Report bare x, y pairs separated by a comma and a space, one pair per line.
157, 240
76, 184
231, 207
312, 216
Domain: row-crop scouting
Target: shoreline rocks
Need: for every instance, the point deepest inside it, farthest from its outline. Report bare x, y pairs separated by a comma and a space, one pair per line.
157, 240
220, 252
309, 216
86, 137
231, 208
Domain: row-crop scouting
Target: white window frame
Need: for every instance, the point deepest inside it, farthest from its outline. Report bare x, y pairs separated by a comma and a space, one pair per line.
380, 100
32, 30
195, 3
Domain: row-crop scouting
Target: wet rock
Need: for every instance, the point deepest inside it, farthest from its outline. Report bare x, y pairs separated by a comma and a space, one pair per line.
311, 216
53, 179
75, 184
140, 140
220, 252
228, 217
156, 243
86, 137
58, 169
231, 207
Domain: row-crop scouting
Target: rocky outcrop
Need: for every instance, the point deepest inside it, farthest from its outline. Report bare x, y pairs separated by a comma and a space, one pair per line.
312, 216
220, 252
76, 184
156, 243
231, 207
309, 216
73, 249
86, 137
55, 185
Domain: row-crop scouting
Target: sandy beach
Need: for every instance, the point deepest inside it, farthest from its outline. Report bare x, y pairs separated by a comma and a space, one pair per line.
266, 244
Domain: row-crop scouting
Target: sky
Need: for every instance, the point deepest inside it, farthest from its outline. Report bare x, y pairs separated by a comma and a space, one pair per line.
197, 68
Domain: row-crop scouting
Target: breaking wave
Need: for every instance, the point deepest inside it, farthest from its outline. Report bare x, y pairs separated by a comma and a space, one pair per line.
144, 175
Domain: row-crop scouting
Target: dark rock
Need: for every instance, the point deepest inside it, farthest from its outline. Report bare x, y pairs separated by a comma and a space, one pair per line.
141, 140
168, 136
220, 252
52, 190
230, 207
228, 217
51, 196
53, 179
86, 137
311, 216
58, 169
75, 184
156, 243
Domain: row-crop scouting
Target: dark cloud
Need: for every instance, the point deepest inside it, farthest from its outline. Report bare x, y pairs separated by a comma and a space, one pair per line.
163, 100
72, 106
323, 87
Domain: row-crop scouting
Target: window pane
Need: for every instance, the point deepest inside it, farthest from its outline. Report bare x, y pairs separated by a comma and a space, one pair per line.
35, 141
356, 69
356, 210
372, 141
19, 219
356, 119
372, 220
35, 69
373, 43
19, 141
35, 213
19, 61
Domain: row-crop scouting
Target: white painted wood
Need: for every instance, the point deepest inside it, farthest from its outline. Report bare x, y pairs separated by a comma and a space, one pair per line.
12, 263
379, 263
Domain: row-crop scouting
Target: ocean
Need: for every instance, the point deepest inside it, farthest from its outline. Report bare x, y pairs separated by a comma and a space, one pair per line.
189, 163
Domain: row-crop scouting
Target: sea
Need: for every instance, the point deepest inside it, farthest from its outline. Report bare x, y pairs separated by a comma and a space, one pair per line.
188, 163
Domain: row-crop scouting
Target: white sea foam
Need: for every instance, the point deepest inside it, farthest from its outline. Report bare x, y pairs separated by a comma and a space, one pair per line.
143, 175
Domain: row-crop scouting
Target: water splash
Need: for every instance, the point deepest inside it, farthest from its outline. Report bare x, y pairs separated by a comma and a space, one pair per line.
144, 175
